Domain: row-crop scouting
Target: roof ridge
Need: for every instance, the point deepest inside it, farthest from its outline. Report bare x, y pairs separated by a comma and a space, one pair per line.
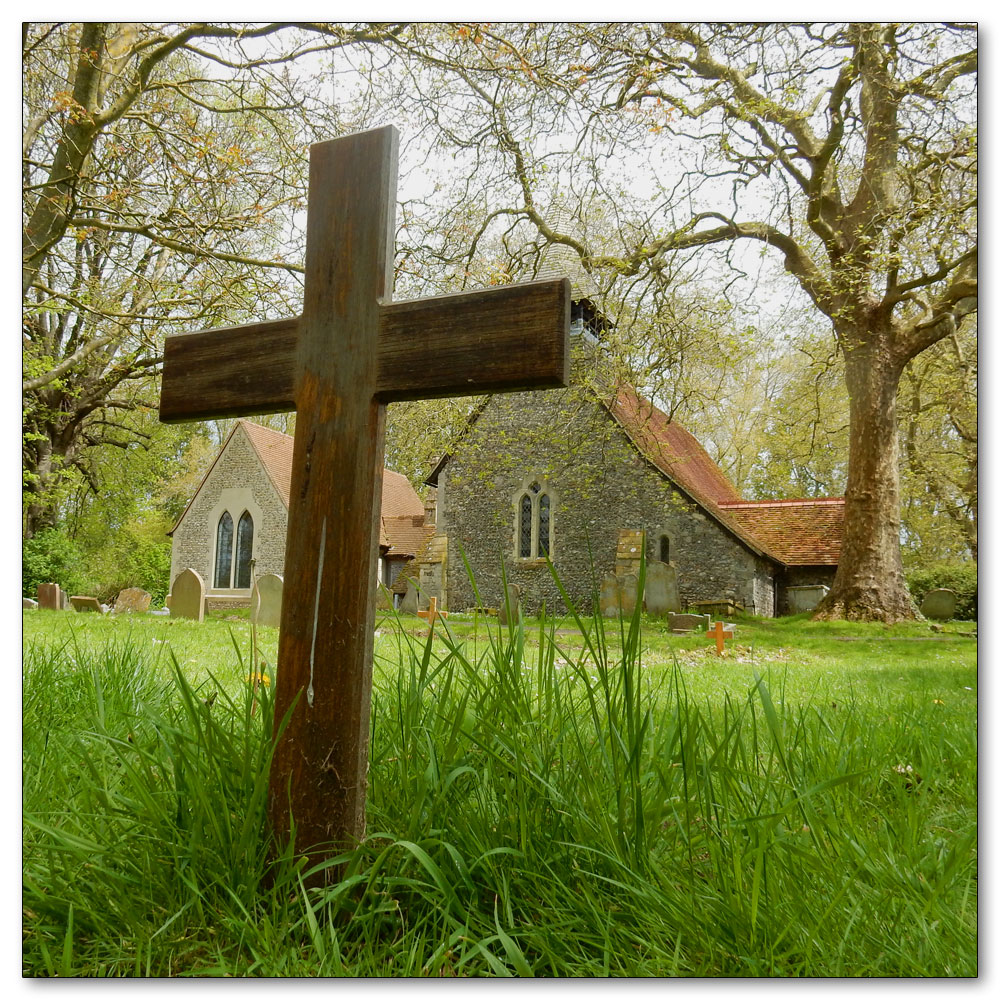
263, 427
780, 502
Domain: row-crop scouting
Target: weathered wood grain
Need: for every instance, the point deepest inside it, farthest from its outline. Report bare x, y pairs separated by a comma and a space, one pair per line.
231, 372
327, 618
496, 340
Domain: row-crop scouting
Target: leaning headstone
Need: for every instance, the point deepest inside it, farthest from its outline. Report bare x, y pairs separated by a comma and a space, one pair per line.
27, 602
630, 593
513, 602
265, 604
610, 596
81, 603
188, 596
661, 588
132, 599
49, 598
688, 623
411, 598
938, 604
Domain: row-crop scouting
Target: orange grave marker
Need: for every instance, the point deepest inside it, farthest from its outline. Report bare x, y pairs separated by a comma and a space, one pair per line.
719, 633
432, 614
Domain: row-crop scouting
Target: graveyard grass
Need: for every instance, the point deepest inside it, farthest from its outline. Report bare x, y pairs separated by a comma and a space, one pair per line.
561, 798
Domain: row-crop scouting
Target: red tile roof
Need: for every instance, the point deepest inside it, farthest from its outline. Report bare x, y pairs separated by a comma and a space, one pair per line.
671, 448
679, 456
797, 532
399, 498
793, 532
405, 536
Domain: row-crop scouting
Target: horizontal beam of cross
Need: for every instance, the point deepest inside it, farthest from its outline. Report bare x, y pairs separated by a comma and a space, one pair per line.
462, 344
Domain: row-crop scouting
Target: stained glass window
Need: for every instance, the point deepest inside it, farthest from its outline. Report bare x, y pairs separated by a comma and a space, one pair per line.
223, 551
525, 527
244, 550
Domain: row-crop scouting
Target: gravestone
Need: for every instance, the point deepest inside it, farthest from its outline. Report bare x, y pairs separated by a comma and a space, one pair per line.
611, 596
50, 597
688, 623
805, 598
132, 599
188, 596
27, 602
628, 555
265, 602
513, 602
939, 604
81, 603
630, 593
411, 598
720, 632
352, 351
661, 588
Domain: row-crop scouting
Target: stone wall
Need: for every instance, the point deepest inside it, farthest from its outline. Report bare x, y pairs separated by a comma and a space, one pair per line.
236, 482
600, 485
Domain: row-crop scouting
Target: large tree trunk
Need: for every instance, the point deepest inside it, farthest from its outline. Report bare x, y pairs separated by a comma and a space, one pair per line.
869, 584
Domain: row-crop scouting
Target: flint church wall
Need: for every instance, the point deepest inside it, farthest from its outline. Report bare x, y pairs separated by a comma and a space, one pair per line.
599, 484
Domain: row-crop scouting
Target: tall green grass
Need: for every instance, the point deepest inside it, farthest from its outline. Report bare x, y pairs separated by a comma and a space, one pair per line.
532, 810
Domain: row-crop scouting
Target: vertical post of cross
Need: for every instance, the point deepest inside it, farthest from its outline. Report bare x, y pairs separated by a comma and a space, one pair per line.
325, 650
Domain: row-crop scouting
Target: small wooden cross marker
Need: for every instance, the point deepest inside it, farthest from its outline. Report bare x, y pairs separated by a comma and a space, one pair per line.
350, 352
719, 633
432, 614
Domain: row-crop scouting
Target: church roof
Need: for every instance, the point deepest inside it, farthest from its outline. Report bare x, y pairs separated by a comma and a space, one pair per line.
671, 448
274, 449
406, 535
679, 456
799, 532
793, 532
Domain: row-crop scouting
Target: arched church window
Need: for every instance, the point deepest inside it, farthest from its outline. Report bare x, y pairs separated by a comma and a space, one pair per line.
244, 550
229, 572
533, 528
664, 549
224, 551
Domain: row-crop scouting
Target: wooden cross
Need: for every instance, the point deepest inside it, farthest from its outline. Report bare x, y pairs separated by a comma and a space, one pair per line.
432, 614
337, 365
719, 634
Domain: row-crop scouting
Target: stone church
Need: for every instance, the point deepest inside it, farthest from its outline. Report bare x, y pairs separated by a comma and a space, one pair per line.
583, 478
239, 513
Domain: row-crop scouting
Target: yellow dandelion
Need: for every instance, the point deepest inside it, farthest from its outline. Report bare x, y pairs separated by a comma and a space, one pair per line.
258, 678
938, 701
